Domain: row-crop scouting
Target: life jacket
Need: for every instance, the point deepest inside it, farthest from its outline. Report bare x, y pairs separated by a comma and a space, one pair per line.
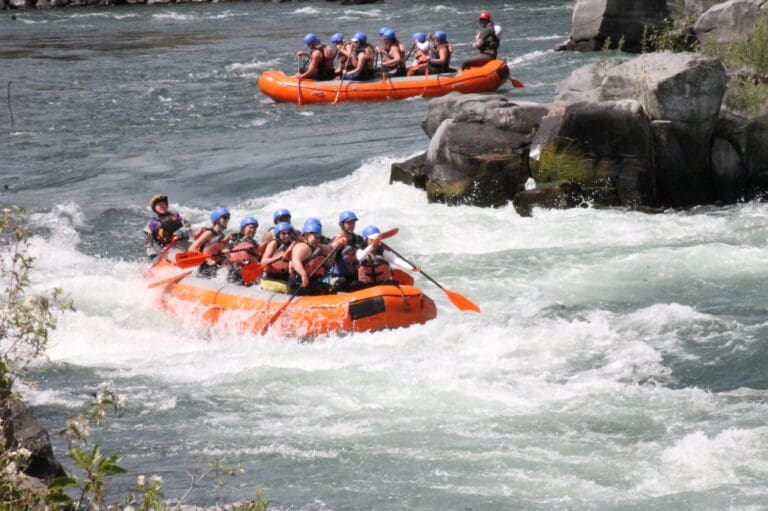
279, 268
490, 44
326, 69
374, 269
215, 244
400, 64
244, 251
169, 224
368, 71
313, 264
435, 54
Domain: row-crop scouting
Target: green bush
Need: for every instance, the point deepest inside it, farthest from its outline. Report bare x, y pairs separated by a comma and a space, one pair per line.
675, 36
746, 60
750, 53
747, 96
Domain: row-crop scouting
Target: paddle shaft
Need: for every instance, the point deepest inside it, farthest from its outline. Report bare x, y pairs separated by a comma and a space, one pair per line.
413, 47
298, 81
341, 79
401, 256
459, 301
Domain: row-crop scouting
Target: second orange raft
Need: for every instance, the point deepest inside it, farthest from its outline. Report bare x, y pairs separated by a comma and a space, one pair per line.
286, 88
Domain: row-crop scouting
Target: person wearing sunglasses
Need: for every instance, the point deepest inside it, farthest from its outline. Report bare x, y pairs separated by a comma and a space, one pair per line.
212, 241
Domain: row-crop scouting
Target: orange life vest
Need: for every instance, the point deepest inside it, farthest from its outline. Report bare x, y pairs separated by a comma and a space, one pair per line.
374, 269
280, 266
244, 252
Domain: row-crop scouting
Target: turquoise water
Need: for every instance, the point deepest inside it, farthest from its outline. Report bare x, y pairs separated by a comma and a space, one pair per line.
618, 362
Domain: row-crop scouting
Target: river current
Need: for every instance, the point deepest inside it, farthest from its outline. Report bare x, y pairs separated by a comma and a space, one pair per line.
619, 361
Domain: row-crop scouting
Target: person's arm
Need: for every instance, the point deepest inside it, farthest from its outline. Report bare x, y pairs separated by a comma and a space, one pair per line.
479, 39
300, 252
199, 242
358, 66
185, 231
150, 246
268, 253
362, 253
314, 65
391, 258
394, 56
443, 57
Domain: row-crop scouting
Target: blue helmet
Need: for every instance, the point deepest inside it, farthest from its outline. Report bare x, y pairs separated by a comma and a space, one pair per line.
338, 37
360, 37
278, 213
370, 231
440, 36
282, 226
249, 220
345, 216
311, 38
420, 37
382, 30
313, 226
388, 35
219, 213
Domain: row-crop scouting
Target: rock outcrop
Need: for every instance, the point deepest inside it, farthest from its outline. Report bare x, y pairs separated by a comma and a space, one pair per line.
726, 21
20, 429
645, 133
478, 152
596, 21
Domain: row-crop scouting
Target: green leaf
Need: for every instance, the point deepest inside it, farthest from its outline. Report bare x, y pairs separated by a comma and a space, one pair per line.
62, 482
111, 470
58, 497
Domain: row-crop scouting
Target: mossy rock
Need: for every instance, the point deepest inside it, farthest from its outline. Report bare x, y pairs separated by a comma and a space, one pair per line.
565, 160
491, 182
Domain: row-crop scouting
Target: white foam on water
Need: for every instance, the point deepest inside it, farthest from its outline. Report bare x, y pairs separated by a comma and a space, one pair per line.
698, 461
246, 70
550, 372
307, 10
174, 16
530, 57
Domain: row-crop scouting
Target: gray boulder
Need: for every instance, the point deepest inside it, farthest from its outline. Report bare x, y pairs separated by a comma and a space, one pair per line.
583, 84
595, 21
685, 91
478, 153
726, 21
606, 148
695, 7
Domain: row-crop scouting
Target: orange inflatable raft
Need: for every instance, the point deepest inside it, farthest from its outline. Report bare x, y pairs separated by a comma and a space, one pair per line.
282, 87
257, 310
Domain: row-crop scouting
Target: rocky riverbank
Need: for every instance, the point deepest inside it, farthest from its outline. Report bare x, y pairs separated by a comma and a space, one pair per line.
47, 4
644, 132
